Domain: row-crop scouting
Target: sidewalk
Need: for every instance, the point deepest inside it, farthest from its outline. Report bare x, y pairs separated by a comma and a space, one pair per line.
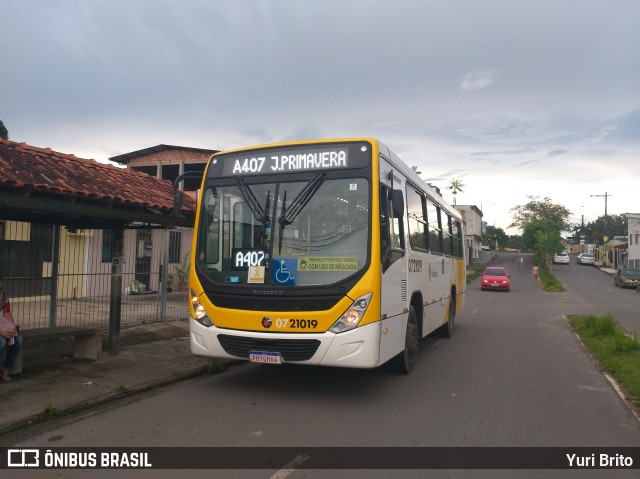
52, 384
610, 271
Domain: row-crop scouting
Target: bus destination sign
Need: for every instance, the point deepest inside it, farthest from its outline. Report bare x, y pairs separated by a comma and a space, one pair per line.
286, 162
290, 160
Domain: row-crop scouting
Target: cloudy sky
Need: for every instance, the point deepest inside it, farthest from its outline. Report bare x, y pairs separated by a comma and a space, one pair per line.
535, 98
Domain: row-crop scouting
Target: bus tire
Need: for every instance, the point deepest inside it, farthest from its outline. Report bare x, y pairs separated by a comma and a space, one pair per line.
405, 361
446, 330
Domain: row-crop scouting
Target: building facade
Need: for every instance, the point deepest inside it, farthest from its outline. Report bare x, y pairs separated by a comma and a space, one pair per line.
151, 250
633, 251
472, 217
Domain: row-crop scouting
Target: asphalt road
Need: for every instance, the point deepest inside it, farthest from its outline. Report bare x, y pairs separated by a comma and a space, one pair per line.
589, 290
514, 374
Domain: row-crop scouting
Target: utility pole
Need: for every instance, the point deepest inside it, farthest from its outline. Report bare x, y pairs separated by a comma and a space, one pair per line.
606, 235
606, 195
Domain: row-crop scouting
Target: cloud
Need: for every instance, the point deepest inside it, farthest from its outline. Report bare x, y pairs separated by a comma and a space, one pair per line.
525, 163
553, 153
452, 87
502, 153
458, 173
478, 80
498, 128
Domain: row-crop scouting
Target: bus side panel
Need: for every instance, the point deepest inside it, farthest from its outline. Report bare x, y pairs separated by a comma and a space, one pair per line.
436, 292
461, 283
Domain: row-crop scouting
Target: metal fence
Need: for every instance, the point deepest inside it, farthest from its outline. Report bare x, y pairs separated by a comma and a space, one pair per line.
59, 276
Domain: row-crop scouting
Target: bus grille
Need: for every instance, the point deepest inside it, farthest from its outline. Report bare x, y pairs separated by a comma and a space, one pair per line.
291, 349
267, 303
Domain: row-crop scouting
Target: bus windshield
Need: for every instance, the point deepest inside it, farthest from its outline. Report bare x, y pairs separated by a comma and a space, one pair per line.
284, 233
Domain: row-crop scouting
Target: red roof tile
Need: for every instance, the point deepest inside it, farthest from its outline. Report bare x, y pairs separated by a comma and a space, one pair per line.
26, 167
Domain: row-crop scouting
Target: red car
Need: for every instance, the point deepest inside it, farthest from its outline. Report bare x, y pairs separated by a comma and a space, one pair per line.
495, 277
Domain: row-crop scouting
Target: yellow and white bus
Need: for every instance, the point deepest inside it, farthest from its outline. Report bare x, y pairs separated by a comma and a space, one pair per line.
327, 252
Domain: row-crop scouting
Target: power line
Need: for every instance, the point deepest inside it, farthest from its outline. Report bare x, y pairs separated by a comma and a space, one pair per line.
605, 196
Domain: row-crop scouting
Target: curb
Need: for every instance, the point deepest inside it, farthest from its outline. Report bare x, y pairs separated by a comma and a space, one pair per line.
213, 367
615, 385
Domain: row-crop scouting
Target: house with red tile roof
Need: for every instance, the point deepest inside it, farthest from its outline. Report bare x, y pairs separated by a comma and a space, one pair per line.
184, 167
42, 185
168, 162
52, 198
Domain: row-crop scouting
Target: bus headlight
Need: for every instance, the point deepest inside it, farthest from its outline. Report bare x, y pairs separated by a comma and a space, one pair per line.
352, 316
199, 311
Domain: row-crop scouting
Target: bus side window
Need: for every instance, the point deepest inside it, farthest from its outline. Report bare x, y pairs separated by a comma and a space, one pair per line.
391, 226
435, 228
446, 233
397, 221
457, 238
385, 229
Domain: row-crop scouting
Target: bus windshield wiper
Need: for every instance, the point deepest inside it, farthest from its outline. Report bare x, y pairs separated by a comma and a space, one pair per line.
252, 202
288, 216
261, 215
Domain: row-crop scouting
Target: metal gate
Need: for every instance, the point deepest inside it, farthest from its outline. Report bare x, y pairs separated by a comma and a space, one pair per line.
76, 289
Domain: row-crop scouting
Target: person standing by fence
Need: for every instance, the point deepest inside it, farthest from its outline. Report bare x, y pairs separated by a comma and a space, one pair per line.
9, 337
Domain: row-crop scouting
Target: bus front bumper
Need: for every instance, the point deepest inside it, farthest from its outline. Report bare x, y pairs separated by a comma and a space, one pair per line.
358, 348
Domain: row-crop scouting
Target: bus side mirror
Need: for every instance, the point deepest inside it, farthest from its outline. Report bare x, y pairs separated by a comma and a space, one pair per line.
397, 200
177, 203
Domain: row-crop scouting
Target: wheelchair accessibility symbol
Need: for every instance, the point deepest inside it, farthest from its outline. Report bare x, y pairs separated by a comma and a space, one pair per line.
285, 271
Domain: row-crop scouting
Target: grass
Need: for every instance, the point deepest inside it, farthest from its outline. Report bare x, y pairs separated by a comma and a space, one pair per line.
549, 281
50, 412
474, 270
615, 350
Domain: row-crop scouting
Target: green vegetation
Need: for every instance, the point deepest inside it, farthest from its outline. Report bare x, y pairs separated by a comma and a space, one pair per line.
182, 272
617, 352
549, 281
474, 270
610, 225
494, 237
50, 412
541, 223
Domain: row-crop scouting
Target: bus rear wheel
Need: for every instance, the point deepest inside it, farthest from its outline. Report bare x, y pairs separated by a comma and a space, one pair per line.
406, 360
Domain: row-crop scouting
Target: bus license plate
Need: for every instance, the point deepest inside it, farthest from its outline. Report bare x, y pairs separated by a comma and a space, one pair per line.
265, 357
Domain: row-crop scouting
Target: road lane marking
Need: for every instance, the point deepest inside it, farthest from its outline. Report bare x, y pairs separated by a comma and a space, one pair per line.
474, 311
290, 467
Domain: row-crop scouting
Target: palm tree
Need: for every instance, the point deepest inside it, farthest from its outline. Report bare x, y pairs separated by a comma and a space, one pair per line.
456, 186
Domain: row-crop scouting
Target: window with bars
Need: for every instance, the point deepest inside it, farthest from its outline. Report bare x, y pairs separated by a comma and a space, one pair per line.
175, 244
107, 240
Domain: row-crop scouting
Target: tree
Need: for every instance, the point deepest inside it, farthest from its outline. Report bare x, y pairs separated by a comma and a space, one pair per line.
4, 133
543, 238
456, 186
541, 210
494, 237
515, 242
541, 223
611, 225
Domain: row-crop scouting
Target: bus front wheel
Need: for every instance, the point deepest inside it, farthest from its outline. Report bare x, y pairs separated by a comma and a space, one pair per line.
406, 360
